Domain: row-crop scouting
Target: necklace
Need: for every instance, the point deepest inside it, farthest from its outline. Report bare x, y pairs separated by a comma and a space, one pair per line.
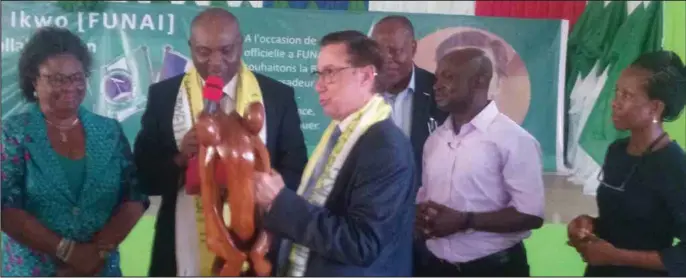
63, 128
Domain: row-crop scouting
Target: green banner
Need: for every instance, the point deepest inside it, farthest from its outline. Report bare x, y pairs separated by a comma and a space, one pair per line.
136, 45
675, 40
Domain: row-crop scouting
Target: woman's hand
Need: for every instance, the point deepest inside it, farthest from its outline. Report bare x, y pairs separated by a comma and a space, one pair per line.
579, 230
86, 259
596, 252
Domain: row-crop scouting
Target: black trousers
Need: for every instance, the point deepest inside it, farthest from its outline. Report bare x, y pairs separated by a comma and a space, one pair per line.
511, 262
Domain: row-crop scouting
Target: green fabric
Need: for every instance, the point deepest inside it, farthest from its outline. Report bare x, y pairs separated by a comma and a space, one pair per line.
583, 37
356, 6
280, 4
608, 29
312, 5
74, 170
631, 40
675, 40
218, 4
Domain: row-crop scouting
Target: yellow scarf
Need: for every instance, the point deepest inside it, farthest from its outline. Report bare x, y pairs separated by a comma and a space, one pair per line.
247, 91
374, 111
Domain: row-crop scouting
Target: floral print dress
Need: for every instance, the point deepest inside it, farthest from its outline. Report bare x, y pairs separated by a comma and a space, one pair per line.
37, 181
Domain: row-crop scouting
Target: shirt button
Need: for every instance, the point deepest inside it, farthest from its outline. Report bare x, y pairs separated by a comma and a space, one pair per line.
75, 211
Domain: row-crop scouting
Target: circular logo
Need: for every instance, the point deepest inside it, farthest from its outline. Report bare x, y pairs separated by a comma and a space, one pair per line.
510, 86
118, 87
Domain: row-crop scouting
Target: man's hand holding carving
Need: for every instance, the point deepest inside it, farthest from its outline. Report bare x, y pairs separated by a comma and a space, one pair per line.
267, 187
189, 148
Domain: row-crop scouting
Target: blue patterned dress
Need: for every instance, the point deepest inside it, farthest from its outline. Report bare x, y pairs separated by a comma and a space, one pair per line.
35, 180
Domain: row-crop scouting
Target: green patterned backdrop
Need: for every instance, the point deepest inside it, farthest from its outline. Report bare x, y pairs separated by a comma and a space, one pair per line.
136, 45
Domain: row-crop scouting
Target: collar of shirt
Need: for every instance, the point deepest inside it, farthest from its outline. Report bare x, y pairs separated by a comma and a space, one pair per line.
480, 122
408, 90
229, 89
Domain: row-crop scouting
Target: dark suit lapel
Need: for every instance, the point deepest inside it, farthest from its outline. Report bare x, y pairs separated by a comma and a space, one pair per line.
271, 115
420, 110
101, 144
43, 156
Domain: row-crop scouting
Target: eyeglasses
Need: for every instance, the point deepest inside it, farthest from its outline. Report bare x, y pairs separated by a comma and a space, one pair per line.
328, 75
620, 188
634, 168
59, 80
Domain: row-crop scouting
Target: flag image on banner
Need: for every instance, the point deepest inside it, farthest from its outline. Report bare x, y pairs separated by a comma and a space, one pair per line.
173, 64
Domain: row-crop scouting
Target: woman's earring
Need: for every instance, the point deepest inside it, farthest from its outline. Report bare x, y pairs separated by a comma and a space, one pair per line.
654, 120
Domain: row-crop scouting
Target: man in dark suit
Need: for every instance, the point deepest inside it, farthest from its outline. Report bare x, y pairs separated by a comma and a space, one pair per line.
353, 213
164, 146
410, 88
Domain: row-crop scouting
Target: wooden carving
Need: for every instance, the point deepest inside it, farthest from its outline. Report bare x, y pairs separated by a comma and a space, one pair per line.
232, 143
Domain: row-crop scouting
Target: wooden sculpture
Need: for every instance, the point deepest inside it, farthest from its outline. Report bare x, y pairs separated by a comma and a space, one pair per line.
232, 143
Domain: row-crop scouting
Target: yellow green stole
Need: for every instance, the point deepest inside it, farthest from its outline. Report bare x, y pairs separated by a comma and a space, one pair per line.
374, 111
247, 91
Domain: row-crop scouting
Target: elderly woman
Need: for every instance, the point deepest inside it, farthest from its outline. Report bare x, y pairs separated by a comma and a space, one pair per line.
642, 193
69, 189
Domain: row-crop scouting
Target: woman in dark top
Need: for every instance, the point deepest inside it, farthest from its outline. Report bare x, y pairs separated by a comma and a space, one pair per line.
642, 193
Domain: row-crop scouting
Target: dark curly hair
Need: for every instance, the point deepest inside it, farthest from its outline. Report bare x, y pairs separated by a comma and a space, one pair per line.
45, 43
668, 82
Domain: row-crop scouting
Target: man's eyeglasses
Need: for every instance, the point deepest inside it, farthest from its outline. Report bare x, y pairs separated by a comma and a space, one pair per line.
328, 75
59, 80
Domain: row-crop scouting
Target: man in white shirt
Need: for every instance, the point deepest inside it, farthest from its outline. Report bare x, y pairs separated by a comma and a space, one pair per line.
482, 186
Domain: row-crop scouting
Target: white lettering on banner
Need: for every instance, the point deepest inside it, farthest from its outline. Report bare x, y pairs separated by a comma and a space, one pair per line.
16, 45
267, 68
298, 83
306, 112
263, 53
22, 19
309, 126
123, 21
276, 40
309, 54
127, 21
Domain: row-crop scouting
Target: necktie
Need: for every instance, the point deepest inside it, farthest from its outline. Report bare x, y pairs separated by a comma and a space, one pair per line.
321, 163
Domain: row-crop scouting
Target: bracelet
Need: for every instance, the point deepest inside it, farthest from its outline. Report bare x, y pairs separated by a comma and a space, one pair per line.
64, 249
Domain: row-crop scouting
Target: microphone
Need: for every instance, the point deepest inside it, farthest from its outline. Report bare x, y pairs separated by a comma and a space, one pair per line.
212, 93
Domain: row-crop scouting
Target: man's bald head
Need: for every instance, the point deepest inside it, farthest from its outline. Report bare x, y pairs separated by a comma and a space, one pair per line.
216, 18
462, 80
471, 61
216, 43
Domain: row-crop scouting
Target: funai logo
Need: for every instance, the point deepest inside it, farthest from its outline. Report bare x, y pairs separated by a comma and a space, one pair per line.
124, 84
125, 80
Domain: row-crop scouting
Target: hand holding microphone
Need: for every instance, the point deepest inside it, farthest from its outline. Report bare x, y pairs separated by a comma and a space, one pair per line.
212, 95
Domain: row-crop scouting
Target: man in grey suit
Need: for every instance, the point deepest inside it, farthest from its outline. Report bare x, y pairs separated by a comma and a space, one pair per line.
353, 213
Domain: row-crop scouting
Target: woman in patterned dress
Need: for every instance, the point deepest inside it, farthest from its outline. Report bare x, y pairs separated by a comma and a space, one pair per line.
69, 189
